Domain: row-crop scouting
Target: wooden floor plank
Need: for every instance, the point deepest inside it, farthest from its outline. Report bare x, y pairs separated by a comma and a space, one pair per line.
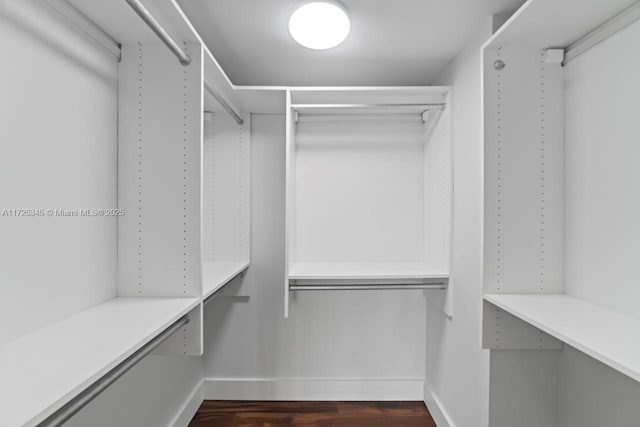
223, 413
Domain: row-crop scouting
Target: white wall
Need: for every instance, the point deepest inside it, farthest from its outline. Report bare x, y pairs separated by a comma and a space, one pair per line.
457, 369
591, 394
602, 231
57, 151
335, 345
359, 190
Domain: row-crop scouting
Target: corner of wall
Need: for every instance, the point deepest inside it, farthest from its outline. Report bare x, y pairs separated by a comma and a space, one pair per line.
438, 414
190, 407
457, 369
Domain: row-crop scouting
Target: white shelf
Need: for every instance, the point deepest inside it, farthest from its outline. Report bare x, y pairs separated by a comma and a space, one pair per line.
605, 335
561, 26
120, 21
364, 271
43, 370
217, 274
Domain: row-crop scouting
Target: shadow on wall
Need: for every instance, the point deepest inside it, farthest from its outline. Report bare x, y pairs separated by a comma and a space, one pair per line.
28, 19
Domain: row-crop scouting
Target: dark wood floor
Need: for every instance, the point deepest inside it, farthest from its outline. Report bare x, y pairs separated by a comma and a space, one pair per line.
217, 413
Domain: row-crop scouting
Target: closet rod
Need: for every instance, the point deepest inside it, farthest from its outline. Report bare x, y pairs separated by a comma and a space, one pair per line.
601, 33
406, 286
433, 106
223, 102
213, 296
86, 25
160, 32
67, 411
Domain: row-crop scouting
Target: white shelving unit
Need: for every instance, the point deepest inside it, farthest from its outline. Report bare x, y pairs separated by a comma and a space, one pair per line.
530, 212
368, 187
580, 324
164, 267
78, 351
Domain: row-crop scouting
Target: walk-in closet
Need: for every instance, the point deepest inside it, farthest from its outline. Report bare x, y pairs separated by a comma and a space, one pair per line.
219, 213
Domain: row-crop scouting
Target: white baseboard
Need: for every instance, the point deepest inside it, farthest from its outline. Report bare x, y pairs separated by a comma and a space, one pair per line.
312, 389
190, 407
435, 409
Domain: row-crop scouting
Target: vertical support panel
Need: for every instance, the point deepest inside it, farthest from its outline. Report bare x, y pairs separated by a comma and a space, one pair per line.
244, 190
523, 227
160, 112
524, 178
290, 192
226, 188
226, 194
524, 143
209, 178
523, 389
437, 200
159, 164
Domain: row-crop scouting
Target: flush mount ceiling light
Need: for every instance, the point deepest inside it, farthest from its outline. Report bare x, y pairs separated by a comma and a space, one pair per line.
319, 25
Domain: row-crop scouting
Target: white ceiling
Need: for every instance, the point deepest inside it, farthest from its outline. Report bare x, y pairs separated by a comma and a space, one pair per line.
392, 42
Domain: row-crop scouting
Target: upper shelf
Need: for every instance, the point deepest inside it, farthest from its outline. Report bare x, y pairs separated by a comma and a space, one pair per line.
217, 274
605, 335
553, 23
42, 371
369, 95
366, 103
119, 20
365, 271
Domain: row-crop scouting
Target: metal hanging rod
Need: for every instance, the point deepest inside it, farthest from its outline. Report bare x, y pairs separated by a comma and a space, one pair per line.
67, 411
432, 106
213, 296
400, 286
160, 32
223, 102
86, 25
601, 33
337, 116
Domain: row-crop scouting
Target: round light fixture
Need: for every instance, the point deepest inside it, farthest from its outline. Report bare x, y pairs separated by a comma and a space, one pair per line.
319, 25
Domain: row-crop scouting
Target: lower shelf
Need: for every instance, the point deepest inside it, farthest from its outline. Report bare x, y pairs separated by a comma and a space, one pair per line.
607, 336
42, 371
396, 271
217, 274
